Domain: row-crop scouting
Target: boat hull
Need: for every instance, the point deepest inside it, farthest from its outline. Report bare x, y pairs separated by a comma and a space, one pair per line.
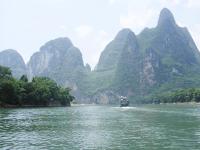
124, 104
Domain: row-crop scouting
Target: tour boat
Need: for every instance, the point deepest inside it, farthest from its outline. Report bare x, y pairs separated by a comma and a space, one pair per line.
123, 101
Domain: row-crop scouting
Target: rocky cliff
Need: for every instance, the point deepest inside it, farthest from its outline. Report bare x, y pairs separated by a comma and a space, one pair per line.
12, 59
157, 60
60, 60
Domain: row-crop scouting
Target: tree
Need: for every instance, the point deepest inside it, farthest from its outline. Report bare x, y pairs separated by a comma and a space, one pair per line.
24, 78
40, 92
5, 72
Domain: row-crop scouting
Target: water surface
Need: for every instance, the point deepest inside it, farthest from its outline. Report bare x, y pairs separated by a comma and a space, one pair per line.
147, 127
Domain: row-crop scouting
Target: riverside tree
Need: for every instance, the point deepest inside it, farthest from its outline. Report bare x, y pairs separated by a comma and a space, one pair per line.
41, 91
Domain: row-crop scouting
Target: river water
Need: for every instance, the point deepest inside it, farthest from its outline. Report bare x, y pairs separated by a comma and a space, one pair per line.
146, 127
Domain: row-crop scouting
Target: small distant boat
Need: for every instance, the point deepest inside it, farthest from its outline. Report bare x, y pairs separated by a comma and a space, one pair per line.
124, 101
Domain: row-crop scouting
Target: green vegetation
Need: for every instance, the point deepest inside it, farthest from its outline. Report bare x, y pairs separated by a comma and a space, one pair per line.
41, 91
158, 60
96, 81
179, 96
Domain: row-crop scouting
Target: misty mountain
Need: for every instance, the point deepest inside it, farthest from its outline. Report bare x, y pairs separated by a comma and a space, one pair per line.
170, 57
158, 60
59, 60
12, 59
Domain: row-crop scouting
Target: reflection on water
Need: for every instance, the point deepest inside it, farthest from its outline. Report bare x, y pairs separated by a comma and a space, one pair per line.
102, 127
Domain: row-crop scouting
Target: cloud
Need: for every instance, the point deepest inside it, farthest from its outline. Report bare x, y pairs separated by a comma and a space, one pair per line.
91, 42
63, 27
137, 20
175, 2
195, 32
111, 2
99, 40
179, 3
165, 3
83, 31
179, 23
103, 39
193, 3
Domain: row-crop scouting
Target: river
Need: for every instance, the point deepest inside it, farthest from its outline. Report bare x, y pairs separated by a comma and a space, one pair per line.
146, 127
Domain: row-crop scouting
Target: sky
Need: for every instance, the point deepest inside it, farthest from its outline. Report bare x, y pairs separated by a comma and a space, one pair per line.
26, 25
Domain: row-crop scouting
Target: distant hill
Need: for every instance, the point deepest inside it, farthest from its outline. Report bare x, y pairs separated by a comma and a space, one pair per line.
12, 59
158, 60
60, 60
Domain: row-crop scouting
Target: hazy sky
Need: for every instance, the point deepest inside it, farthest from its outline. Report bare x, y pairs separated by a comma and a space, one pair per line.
25, 25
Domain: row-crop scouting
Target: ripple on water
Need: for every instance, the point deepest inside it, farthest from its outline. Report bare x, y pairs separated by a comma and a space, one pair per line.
101, 127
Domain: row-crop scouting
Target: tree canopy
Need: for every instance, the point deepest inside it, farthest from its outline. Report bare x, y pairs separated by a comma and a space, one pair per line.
41, 91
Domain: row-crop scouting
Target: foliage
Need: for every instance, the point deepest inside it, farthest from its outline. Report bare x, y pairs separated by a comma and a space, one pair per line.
181, 96
41, 91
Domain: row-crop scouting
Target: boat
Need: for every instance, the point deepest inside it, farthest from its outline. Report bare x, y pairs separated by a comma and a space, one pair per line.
124, 102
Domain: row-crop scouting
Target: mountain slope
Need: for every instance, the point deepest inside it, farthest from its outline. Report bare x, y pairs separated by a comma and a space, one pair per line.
115, 70
12, 59
157, 60
170, 51
61, 61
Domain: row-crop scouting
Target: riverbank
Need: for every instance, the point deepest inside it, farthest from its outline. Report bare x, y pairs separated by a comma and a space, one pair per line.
31, 106
179, 103
79, 105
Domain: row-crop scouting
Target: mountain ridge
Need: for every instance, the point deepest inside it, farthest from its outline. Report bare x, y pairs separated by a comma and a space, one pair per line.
12, 59
157, 60
166, 60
